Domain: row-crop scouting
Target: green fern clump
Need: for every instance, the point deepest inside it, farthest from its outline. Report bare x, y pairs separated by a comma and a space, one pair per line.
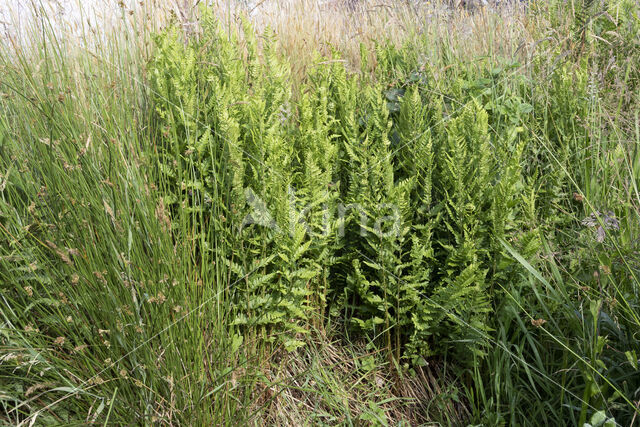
227, 154
382, 211
465, 184
415, 158
362, 198
317, 192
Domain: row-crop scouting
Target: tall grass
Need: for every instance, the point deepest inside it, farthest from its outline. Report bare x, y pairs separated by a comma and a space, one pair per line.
140, 285
103, 312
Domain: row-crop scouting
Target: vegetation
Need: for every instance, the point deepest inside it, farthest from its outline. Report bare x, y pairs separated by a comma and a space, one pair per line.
231, 218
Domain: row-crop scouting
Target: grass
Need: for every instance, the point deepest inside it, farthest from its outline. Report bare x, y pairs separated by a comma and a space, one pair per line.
129, 298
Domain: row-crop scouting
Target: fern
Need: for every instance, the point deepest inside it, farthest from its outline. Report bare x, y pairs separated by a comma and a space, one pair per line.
358, 198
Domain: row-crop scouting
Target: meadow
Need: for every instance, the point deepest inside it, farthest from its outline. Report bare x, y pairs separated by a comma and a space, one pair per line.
342, 213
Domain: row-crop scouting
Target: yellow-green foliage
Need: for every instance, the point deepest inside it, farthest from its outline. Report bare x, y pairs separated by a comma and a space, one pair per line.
358, 199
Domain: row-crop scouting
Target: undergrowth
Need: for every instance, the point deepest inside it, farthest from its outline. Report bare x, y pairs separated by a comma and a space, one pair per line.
199, 227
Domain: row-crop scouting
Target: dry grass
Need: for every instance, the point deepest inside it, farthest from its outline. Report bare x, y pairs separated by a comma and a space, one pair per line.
344, 383
305, 27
